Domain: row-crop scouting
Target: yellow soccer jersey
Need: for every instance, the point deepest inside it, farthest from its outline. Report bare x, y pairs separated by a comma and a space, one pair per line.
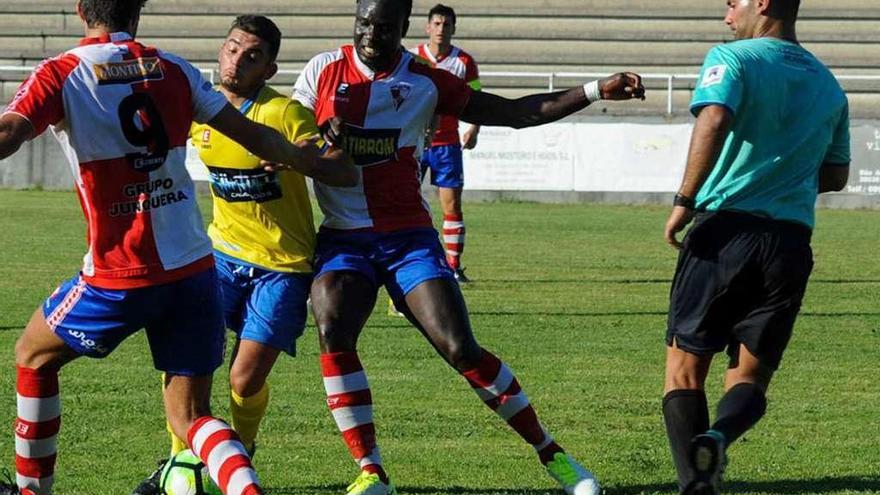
261, 218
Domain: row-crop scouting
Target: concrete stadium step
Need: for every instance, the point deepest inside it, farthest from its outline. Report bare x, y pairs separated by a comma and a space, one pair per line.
532, 52
857, 9
478, 27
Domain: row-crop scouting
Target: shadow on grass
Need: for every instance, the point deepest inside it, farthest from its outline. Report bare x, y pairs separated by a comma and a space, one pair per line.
851, 484
424, 490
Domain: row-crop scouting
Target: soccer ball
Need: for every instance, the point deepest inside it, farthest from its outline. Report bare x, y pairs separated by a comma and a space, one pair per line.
185, 474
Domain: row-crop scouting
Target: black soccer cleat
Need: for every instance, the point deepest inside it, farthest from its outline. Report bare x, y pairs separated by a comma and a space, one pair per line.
460, 277
708, 460
150, 484
7, 485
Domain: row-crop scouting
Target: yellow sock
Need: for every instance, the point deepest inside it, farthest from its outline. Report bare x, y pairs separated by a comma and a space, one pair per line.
247, 412
177, 445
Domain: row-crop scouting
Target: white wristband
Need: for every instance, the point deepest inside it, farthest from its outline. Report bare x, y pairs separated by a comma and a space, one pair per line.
591, 89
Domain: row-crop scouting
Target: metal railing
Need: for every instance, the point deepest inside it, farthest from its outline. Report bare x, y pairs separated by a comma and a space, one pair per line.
550, 77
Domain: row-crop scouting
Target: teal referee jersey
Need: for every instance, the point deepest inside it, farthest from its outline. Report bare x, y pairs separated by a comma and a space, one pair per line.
790, 117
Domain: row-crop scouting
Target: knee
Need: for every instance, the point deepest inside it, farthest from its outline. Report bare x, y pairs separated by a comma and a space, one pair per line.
683, 378
27, 356
463, 355
334, 336
244, 381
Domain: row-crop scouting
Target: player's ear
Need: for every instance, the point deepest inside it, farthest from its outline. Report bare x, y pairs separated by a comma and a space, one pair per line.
79, 11
763, 6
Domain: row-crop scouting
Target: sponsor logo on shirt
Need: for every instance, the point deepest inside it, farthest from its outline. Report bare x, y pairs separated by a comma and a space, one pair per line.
206, 135
146, 196
370, 146
713, 75
129, 71
236, 185
399, 93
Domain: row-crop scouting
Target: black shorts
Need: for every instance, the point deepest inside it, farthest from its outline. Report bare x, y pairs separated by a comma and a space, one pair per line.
740, 279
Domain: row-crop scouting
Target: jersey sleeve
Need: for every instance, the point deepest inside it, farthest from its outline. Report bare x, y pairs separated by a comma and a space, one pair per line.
40, 98
721, 81
472, 73
454, 93
299, 123
839, 151
305, 90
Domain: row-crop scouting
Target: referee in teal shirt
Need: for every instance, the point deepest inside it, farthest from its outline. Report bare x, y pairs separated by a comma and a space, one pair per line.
772, 132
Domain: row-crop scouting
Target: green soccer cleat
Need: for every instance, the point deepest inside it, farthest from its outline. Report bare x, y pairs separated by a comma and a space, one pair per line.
392, 310
370, 484
573, 477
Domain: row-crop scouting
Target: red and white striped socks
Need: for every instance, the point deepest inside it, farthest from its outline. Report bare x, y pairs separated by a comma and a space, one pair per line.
219, 447
36, 429
495, 384
453, 239
350, 401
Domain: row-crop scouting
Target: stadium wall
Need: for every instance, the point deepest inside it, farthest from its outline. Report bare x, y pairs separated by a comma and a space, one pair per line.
632, 161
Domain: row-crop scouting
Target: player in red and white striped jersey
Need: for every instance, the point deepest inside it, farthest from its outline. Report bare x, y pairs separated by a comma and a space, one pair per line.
122, 112
443, 157
380, 233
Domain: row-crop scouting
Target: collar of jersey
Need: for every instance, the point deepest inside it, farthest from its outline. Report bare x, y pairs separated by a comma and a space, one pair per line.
106, 38
375, 76
437, 60
249, 102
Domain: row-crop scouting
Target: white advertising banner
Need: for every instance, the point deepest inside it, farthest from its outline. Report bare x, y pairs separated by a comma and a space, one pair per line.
535, 159
579, 157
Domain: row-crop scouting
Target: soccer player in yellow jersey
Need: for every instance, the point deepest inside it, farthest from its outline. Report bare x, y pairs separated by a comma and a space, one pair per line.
263, 232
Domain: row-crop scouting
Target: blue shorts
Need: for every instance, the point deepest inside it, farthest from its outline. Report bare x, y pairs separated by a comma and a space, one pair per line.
264, 306
446, 164
399, 260
183, 321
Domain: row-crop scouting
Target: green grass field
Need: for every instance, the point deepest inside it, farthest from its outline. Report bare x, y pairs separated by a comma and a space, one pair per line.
574, 298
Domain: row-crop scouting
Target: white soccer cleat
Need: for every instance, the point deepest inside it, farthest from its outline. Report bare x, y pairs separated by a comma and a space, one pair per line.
573, 477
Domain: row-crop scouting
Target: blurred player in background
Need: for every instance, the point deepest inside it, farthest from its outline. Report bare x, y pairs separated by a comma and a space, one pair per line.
772, 131
380, 233
262, 230
122, 112
443, 157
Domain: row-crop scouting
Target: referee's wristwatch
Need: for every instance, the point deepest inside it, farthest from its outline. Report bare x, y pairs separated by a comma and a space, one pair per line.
684, 201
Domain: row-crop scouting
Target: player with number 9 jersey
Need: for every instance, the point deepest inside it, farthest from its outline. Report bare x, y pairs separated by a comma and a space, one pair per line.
122, 111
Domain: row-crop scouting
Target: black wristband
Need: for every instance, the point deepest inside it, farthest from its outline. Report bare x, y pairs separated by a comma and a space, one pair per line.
682, 200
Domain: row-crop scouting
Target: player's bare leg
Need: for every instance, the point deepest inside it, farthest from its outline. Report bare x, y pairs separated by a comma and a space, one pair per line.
249, 392
438, 309
342, 301
39, 355
684, 405
453, 229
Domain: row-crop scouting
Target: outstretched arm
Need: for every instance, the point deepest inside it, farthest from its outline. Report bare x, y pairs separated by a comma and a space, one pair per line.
271, 146
14, 131
533, 110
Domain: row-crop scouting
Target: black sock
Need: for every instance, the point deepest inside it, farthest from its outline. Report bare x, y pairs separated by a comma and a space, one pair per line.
686, 415
740, 409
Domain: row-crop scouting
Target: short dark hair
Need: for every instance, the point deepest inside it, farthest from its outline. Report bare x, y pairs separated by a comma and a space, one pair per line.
405, 7
787, 10
444, 10
113, 14
261, 27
